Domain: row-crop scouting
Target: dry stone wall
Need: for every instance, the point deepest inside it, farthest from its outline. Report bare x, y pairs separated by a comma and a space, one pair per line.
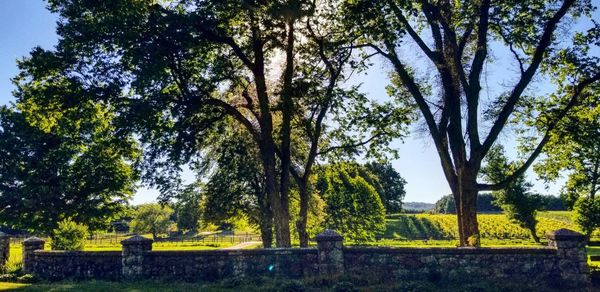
562, 264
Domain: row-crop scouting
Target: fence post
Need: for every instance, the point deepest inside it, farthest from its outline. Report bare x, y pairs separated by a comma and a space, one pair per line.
133, 252
4, 248
572, 257
331, 254
30, 245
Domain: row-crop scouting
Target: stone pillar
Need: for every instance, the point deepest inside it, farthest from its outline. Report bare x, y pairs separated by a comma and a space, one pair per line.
134, 249
331, 255
572, 257
4, 248
29, 246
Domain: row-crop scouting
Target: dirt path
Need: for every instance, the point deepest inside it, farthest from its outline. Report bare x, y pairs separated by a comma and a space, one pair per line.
243, 245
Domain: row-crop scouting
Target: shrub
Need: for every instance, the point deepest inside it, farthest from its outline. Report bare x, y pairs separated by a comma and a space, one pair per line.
69, 236
587, 214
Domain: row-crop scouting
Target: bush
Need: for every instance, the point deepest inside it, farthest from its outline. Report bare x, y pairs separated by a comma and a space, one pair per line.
587, 214
69, 236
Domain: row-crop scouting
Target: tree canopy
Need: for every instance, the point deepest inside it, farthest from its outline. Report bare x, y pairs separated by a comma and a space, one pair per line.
61, 155
353, 206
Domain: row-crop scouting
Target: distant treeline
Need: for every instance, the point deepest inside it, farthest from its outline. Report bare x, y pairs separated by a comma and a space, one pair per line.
485, 203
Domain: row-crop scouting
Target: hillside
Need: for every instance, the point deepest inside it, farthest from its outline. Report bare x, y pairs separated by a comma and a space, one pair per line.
492, 226
417, 206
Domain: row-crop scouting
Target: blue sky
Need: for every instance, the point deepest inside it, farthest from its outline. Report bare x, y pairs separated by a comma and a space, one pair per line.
25, 24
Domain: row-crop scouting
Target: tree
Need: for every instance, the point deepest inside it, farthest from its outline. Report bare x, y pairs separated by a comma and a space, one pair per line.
446, 204
353, 205
61, 155
235, 182
587, 215
392, 185
456, 38
575, 148
188, 208
153, 218
553, 203
517, 202
185, 65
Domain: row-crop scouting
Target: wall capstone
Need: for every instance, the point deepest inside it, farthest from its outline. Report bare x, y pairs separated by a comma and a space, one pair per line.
4, 248
572, 256
331, 256
29, 246
134, 249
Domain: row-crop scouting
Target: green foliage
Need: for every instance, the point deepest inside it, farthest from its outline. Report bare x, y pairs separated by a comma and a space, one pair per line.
153, 218
574, 149
188, 209
69, 236
73, 169
61, 153
517, 202
235, 181
553, 203
459, 41
392, 185
446, 204
353, 206
316, 214
587, 214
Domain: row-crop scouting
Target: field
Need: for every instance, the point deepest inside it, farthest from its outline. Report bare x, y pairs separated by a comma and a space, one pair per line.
495, 229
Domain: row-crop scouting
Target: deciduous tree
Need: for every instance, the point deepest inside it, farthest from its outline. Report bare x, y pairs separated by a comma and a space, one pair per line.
455, 40
61, 154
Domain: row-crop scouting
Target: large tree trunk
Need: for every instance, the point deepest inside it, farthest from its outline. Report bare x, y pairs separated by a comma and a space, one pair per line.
281, 217
266, 228
466, 209
302, 222
287, 112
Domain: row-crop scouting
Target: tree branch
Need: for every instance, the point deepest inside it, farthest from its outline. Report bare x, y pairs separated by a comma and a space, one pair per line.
536, 152
526, 77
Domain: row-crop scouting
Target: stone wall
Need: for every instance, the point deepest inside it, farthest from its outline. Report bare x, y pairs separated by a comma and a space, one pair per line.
563, 263
526, 265
221, 264
57, 265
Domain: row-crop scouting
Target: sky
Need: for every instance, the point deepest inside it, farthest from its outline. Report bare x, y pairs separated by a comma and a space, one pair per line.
25, 24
